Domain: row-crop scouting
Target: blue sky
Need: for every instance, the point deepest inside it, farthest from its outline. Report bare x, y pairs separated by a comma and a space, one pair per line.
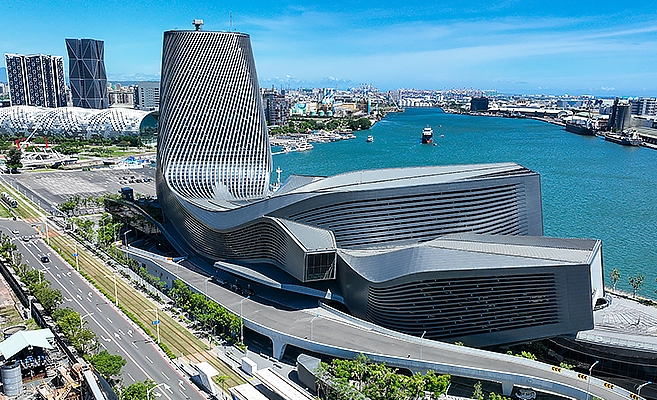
579, 47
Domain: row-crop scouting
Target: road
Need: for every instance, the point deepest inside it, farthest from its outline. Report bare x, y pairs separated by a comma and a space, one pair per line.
115, 332
335, 332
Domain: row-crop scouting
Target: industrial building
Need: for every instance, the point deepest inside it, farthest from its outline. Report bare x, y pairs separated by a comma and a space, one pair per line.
452, 252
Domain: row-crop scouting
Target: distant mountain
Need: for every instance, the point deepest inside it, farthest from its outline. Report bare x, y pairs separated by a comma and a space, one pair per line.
132, 77
294, 83
3, 74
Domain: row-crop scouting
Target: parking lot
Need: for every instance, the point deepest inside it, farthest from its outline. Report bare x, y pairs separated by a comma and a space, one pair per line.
54, 187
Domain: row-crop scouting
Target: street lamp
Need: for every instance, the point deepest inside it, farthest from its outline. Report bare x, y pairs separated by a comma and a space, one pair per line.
125, 237
148, 392
311, 325
156, 322
77, 263
44, 269
116, 290
206, 285
421, 342
82, 317
638, 390
588, 385
242, 320
45, 224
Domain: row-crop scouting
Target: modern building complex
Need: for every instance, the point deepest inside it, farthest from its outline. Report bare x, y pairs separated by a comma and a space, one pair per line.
75, 122
36, 80
87, 75
452, 252
277, 107
147, 96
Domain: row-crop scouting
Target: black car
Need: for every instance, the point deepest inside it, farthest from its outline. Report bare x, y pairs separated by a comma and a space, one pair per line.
45, 259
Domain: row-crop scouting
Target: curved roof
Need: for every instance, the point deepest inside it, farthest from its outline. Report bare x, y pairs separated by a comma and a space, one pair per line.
71, 121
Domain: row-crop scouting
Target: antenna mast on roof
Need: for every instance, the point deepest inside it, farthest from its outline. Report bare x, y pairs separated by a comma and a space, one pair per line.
197, 24
230, 29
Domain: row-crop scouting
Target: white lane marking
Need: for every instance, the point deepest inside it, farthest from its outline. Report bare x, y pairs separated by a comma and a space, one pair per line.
183, 393
110, 321
90, 294
167, 387
72, 284
105, 339
99, 310
164, 375
79, 297
130, 376
151, 361
130, 332
116, 335
59, 276
135, 344
89, 300
79, 290
121, 332
181, 384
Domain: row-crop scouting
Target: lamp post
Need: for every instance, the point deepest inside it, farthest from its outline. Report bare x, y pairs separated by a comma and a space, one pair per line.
125, 237
242, 320
45, 224
77, 263
156, 323
588, 385
116, 290
421, 342
148, 392
638, 390
82, 317
311, 325
40, 270
206, 285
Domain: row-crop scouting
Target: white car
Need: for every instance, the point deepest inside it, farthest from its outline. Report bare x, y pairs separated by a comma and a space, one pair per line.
16, 232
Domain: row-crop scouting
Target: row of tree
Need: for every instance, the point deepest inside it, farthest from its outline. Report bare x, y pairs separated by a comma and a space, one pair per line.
358, 378
636, 282
312, 124
210, 314
72, 324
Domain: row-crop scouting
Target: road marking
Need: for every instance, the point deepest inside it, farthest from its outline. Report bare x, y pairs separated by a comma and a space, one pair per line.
105, 339
59, 276
130, 332
181, 384
135, 344
90, 294
79, 297
149, 359
167, 387
99, 310
72, 284
183, 393
110, 321
89, 300
121, 332
79, 290
164, 375
130, 376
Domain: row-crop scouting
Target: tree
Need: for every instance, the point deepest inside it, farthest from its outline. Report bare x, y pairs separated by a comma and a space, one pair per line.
477, 393
614, 277
14, 159
138, 391
636, 282
107, 364
221, 380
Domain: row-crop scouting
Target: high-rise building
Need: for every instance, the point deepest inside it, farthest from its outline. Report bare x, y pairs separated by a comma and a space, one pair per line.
277, 107
644, 106
212, 130
147, 96
87, 74
36, 80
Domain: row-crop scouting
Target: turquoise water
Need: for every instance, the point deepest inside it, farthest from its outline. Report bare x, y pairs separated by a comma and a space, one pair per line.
591, 188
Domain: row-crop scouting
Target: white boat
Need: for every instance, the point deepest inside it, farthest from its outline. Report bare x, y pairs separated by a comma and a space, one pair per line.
303, 146
370, 139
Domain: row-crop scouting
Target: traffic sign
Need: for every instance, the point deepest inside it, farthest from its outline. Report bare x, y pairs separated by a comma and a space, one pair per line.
75, 254
157, 321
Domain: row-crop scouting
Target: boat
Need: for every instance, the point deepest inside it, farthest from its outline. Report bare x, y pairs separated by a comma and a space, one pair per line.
623, 139
303, 145
580, 128
370, 139
427, 135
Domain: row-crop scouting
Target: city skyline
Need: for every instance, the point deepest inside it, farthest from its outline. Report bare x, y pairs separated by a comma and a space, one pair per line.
604, 49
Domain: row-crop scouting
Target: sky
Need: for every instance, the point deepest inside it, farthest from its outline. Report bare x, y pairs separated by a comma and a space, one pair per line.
598, 47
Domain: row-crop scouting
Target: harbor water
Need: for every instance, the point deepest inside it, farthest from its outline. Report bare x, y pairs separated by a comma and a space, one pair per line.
591, 188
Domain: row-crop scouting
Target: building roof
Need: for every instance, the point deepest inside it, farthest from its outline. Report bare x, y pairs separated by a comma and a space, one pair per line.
470, 251
404, 177
310, 237
20, 340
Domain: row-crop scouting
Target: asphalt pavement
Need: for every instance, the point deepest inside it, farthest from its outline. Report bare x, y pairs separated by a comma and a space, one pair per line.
115, 332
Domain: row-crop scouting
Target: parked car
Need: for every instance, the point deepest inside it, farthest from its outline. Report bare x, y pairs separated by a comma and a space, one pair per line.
16, 232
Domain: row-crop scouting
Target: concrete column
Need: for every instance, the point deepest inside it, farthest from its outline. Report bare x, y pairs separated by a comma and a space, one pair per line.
507, 388
279, 348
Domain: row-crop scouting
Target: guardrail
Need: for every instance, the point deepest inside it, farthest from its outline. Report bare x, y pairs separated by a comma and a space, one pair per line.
611, 341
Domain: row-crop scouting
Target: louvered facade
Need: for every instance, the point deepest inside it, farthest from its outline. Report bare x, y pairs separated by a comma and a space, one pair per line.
456, 251
213, 141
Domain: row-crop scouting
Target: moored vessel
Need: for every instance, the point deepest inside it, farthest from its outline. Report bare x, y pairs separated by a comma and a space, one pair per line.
427, 135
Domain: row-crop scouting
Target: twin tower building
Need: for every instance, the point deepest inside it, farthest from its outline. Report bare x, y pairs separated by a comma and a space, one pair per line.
457, 252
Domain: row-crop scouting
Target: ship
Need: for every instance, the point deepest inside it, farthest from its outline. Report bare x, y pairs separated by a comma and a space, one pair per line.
427, 135
580, 128
370, 139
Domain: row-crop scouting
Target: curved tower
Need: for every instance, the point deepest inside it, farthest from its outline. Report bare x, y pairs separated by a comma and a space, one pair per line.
213, 142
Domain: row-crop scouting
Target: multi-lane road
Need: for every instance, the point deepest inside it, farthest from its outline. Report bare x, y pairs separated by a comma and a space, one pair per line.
115, 332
